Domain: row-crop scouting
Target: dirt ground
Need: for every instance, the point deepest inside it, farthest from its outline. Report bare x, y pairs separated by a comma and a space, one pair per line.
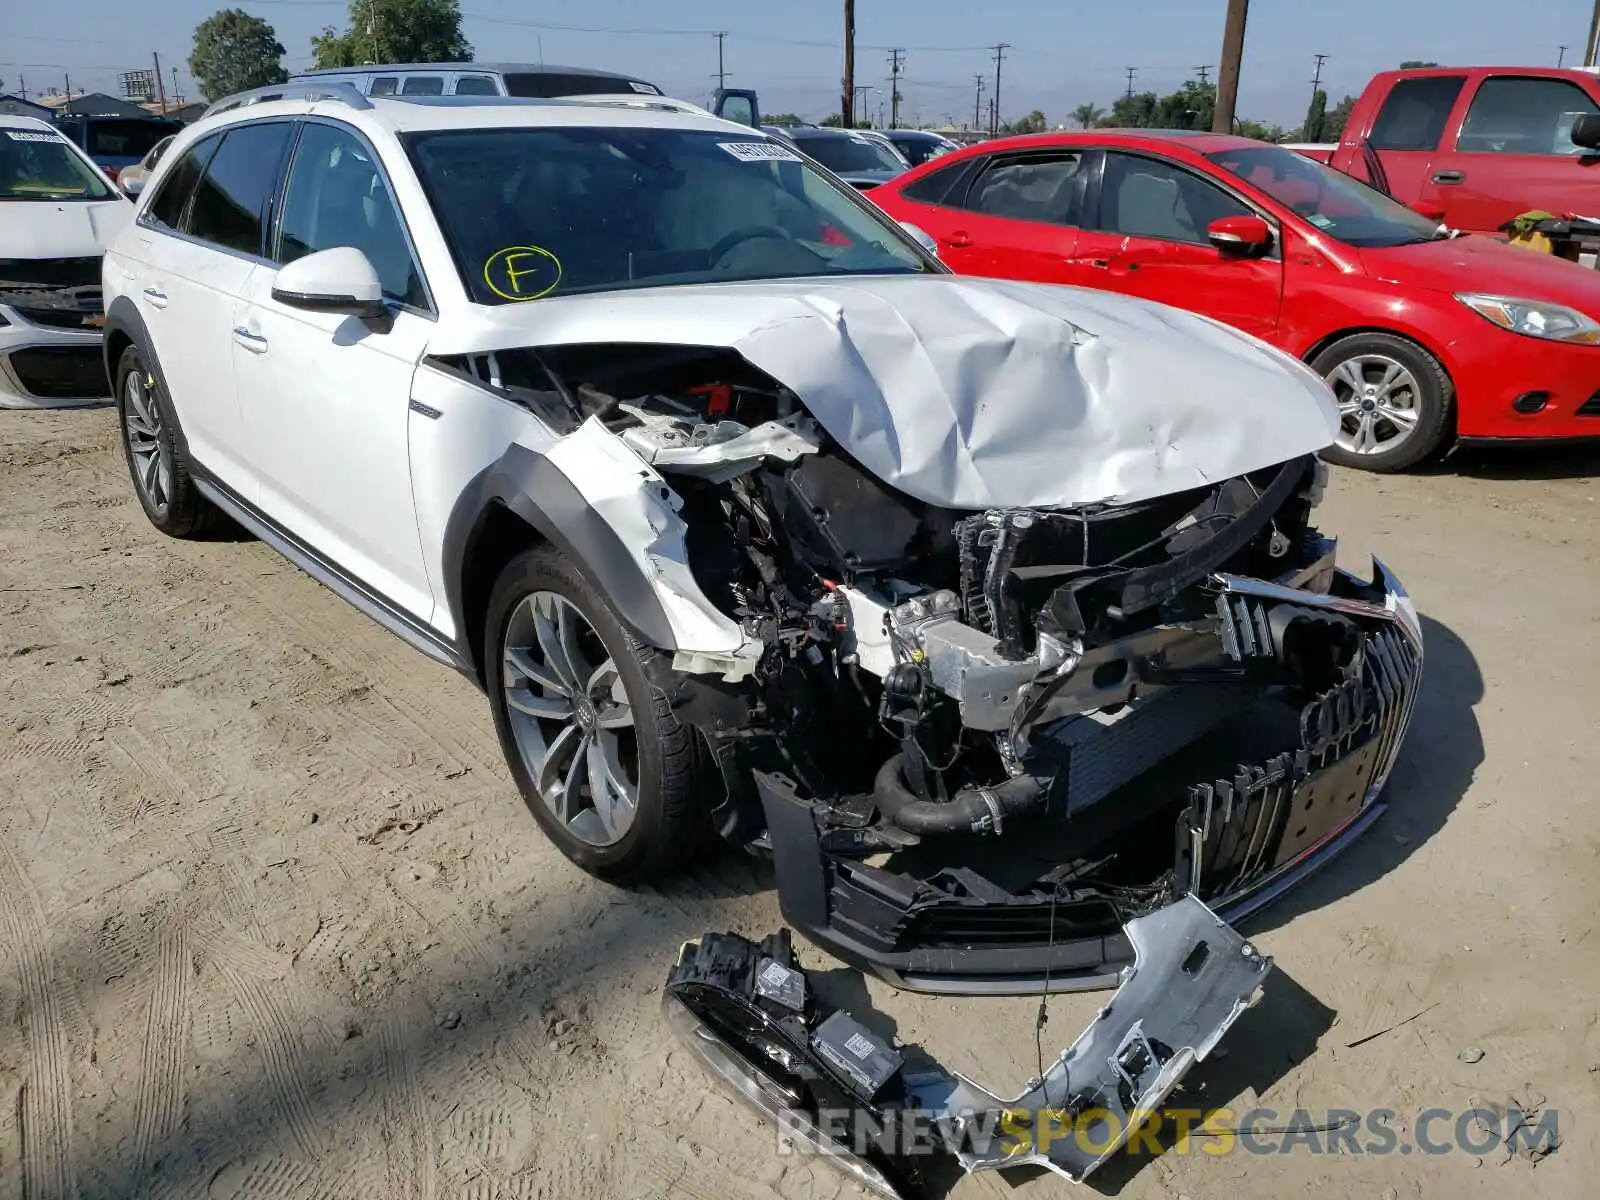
275, 923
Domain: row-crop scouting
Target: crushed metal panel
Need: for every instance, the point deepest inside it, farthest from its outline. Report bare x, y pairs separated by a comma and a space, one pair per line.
970, 393
1192, 978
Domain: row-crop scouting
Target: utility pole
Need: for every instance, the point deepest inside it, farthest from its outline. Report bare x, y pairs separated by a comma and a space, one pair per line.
1316, 79
1232, 55
1132, 71
722, 75
1593, 44
894, 88
977, 104
1561, 56
848, 84
68, 79
177, 94
1204, 73
161, 85
994, 101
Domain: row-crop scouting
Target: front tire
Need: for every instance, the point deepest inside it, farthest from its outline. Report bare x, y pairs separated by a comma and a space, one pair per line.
1396, 404
602, 762
156, 460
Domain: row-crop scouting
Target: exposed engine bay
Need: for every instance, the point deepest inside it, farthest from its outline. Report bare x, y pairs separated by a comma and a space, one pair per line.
978, 742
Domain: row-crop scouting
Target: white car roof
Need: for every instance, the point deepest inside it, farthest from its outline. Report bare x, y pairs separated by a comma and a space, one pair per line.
409, 114
33, 124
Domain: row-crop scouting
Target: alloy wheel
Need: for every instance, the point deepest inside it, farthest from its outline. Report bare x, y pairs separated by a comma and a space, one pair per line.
1378, 400
152, 471
570, 718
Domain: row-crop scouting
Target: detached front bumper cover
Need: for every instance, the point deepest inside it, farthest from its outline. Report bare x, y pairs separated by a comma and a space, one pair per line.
748, 1013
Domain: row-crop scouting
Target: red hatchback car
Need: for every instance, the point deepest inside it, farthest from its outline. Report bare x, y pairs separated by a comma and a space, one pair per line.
1424, 336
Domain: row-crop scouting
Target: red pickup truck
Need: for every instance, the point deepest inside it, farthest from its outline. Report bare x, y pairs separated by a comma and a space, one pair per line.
1474, 146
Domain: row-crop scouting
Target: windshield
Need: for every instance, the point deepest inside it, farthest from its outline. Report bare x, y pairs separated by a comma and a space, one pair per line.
849, 153
558, 211
38, 165
1335, 203
131, 138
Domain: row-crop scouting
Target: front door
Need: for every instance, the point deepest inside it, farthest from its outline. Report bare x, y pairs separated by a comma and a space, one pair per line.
1514, 154
1148, 238
326, 397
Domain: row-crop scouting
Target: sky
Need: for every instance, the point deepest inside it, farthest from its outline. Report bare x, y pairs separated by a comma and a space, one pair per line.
1063, 52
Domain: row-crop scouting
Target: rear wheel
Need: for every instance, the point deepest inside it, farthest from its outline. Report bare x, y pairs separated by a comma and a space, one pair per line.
155, 457
1396, 404
604, 765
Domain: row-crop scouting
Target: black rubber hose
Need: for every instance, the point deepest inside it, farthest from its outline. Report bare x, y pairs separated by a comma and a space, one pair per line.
970, 810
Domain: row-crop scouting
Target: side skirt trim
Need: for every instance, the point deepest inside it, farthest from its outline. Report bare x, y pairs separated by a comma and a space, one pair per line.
347, 587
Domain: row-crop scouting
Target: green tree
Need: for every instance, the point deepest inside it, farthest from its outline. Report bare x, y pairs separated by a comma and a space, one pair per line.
1088, 115
1034, 122
1190, 107
1316, 117
1131, 112
782, 120
1255, 129
835, 121
1333, 127
395, 31
233, 52
1415, 63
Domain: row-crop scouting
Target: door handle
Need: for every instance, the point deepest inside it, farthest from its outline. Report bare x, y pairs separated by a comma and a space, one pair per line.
958, 239
1449, 176
253, 342
1099, 263
158, 299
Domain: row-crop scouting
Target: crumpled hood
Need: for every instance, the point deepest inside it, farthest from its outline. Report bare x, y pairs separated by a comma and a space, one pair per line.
60, 228
972, 393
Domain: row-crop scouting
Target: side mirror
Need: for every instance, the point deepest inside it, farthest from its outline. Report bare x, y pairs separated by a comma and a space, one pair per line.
340, 280
1239, 235
921, 237
1585, 131
132, 187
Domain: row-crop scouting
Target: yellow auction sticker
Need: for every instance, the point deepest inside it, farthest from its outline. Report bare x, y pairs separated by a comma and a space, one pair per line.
522, 272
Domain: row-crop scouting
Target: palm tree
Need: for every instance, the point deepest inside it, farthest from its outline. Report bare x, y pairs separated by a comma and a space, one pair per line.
1087, 114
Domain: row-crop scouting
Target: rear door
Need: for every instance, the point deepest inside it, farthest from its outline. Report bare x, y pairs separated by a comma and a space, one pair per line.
201, 236
1147, 237
1407, 134
1011, 216
1513, 154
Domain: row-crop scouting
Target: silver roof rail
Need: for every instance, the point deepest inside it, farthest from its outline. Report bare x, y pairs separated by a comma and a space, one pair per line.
306, 90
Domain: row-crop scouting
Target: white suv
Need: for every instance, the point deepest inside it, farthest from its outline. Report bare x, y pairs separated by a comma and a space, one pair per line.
752, 518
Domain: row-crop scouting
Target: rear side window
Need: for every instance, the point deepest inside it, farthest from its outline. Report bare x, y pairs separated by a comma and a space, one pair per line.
1032, 187
1414, 115
476, 85
423, 85
384, 85
1524, 116
177, 185
937, 187
230, 203
546, 84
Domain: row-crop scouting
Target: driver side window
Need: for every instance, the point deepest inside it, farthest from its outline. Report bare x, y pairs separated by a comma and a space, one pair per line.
1145, 197
337, 196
